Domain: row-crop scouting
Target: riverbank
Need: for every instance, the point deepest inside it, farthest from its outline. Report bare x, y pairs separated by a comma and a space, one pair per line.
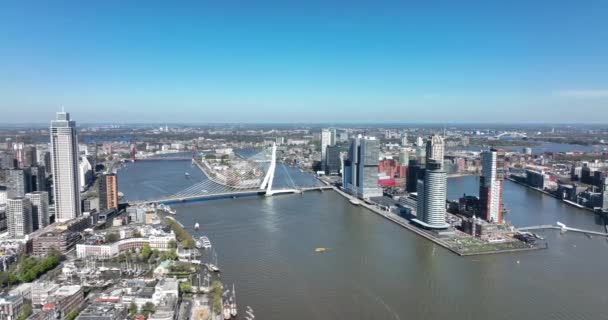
570, 203
406, 224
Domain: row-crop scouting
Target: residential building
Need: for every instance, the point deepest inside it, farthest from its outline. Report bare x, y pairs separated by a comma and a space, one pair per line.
10, 306
42, 292
85, 173
17, 182
326, 139
19, 217
103, 311
64, 166
491, 184
432, 194
62, 240
40, 209
435, 149
108, 192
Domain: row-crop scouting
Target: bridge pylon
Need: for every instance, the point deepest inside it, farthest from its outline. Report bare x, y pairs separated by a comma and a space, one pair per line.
267, 182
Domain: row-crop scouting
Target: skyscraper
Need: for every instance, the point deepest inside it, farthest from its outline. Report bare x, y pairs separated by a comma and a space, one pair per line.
490, 184
40, 209
19, 217
432, 193
325, 142
37, 178
435, 149
362, 162
18, 182
64, 166
605, 195
108, 192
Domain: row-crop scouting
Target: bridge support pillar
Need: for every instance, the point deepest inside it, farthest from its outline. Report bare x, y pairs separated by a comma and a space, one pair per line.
267, 182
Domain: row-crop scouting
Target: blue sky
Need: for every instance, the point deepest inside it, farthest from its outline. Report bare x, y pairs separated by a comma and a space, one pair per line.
305, 61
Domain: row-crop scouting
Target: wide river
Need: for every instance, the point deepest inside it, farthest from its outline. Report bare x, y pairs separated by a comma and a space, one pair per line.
375, 269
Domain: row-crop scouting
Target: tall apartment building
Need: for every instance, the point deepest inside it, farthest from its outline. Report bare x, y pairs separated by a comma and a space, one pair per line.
326, 140
18, 182
108, 192
19, 217
64, 166
435, 149
432, 193
491, 184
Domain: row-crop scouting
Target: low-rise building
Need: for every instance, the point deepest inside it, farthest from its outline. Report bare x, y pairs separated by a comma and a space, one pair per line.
10, 306
57, 239
103, 311
104, 251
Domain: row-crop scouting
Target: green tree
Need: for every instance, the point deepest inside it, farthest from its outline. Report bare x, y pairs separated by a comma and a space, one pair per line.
146, 251
26, 311
185, 287
72, 315
112, 237
132, 309
148, 308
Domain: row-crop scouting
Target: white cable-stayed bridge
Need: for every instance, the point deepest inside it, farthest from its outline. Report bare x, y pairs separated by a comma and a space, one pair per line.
258, 174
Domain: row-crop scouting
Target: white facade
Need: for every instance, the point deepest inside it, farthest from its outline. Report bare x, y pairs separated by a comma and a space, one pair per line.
3, 196
491, 181
325, 141
19, 217
85, 172
64, 166
435, 149
432, 193
109, 250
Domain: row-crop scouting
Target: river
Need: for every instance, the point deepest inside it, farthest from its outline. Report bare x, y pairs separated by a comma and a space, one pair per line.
375, 269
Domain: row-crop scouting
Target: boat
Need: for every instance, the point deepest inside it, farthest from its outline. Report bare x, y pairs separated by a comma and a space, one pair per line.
233, 310
196, 226
212, 267
320, 249
199, 244
226, 311
355, 202
187, 174
206, 243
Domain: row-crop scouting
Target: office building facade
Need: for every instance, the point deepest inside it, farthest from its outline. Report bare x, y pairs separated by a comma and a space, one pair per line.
40, 209
362, 162
64, 166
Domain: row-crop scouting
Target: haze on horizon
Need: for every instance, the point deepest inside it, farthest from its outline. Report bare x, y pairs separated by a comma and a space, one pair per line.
315, 62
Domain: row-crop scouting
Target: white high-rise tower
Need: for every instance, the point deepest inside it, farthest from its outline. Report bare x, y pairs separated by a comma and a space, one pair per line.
64, 166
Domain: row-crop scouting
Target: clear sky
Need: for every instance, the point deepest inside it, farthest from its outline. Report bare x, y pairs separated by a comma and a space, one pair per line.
305, 61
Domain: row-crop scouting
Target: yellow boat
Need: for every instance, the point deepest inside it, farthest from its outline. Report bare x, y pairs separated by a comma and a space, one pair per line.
320, 249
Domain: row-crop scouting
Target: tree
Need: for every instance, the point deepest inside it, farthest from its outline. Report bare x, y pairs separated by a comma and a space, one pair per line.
146, 251
185, 287
112, 237
26, 311
132, 309
148, 308
169, 255
72, 315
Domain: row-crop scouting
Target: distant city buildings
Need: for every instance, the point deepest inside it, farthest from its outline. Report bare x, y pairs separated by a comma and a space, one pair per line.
332, 160
17, 182
491, 184
64, 166
328, 138
360, 176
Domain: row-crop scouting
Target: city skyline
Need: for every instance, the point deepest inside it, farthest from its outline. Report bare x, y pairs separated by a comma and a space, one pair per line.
278, 62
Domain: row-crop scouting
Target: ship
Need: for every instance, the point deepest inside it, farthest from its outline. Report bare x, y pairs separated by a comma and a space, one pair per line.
355, 202
226, 311
206, 243
196, 226
233, 309
187, 174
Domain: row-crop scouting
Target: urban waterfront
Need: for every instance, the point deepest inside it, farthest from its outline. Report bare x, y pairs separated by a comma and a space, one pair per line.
377, 269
